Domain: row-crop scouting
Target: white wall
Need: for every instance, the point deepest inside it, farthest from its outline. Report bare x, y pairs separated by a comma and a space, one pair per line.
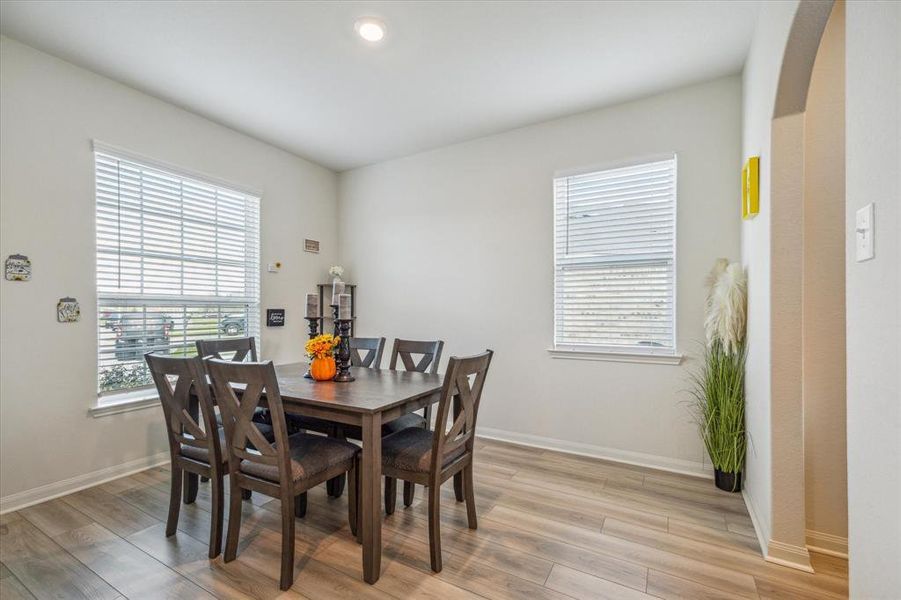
873, 170
468, 229
49, 113
760, 81
823, 392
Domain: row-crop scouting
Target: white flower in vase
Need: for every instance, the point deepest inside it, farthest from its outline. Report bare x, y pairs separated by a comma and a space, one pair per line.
336, 272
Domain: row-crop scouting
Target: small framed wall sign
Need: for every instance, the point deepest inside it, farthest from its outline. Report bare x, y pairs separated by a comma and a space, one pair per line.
311, 246
17, 268
750, 188
67, 310
275, 317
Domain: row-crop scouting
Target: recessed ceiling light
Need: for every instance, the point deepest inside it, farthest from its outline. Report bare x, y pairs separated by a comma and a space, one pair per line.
370, 29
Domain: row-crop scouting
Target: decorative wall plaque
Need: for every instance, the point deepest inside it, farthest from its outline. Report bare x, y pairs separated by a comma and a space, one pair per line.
67, 310
18, 268
275, 317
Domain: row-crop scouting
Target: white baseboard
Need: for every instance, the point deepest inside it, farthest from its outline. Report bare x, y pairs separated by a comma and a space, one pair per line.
664, 463
761, 526
788, 555
79, 482
826, 543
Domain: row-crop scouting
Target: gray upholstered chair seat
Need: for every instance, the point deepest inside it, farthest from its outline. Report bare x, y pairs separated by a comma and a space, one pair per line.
260, 416
202, 454
310, 455
411, 450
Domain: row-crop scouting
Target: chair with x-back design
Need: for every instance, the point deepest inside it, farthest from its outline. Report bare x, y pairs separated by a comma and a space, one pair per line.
430, 458
243, 348
195, 444
285, 469
414, 355
373, 348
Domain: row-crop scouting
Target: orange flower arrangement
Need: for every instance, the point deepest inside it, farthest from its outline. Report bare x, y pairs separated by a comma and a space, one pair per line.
322, 346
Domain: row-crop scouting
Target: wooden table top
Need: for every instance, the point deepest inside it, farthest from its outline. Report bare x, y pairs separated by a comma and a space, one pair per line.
373, 391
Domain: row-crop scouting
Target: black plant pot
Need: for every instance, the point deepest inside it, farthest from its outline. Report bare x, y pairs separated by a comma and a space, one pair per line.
730, 482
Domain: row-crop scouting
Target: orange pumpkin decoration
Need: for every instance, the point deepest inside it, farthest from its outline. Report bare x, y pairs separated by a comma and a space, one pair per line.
323, 369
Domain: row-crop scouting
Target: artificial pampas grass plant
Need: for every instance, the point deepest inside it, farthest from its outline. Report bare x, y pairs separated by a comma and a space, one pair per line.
718, 386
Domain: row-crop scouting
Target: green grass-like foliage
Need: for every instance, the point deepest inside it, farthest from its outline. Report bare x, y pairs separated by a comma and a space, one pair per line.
719, 393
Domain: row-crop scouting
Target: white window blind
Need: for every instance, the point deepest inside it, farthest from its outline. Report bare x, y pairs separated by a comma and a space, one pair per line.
177, 261
615, 254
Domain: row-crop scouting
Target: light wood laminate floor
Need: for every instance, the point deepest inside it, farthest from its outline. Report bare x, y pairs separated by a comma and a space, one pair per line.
551, 526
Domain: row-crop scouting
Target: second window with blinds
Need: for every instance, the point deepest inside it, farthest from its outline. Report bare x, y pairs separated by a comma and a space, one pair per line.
615, 261
177, 261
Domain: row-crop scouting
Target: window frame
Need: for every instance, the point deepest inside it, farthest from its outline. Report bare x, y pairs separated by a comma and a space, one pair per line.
631, 354
123, 400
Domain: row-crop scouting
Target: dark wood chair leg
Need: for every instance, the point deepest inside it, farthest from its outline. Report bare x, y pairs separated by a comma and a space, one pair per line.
470, 497
335, 486
353, 495
300, 505
435, 526
287, 573
189, 489
174, 501
409, 493
246, 494
217, 505
390, 495
458, 487
234, 523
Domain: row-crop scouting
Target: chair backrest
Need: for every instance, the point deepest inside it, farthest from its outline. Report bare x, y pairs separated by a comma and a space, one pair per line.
259, 385
373, 347
243, 348
417, 356
175, 378
463, 383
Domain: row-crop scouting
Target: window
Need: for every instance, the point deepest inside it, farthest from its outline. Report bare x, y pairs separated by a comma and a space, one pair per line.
615, 255
177, 261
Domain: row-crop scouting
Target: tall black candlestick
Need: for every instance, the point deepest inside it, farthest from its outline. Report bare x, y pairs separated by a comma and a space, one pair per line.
335, 319
342, 355
313, 322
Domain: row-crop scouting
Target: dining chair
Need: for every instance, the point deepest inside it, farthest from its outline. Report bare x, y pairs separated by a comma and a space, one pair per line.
414, 355
285, 469
194, 445
241, 349
373, 347
431, 457
372, 359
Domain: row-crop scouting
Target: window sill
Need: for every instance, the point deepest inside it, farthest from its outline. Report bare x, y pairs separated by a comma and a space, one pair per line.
127, 403
629, 357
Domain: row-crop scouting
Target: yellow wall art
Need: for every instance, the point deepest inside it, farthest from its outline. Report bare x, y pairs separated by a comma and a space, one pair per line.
750, 188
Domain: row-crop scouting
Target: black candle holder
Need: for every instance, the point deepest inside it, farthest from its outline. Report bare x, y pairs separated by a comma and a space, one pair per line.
342, 353
313, 323
336, 333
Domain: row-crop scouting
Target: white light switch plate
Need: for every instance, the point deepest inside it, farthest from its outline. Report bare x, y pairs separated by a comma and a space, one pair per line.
864, 234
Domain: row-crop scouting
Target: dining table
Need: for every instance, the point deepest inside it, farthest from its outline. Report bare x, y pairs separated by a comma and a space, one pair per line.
375, 396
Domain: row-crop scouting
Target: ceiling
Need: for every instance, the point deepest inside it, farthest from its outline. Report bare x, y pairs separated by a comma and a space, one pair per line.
295, 75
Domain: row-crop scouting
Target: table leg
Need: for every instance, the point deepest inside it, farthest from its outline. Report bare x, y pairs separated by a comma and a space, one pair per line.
370, 497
